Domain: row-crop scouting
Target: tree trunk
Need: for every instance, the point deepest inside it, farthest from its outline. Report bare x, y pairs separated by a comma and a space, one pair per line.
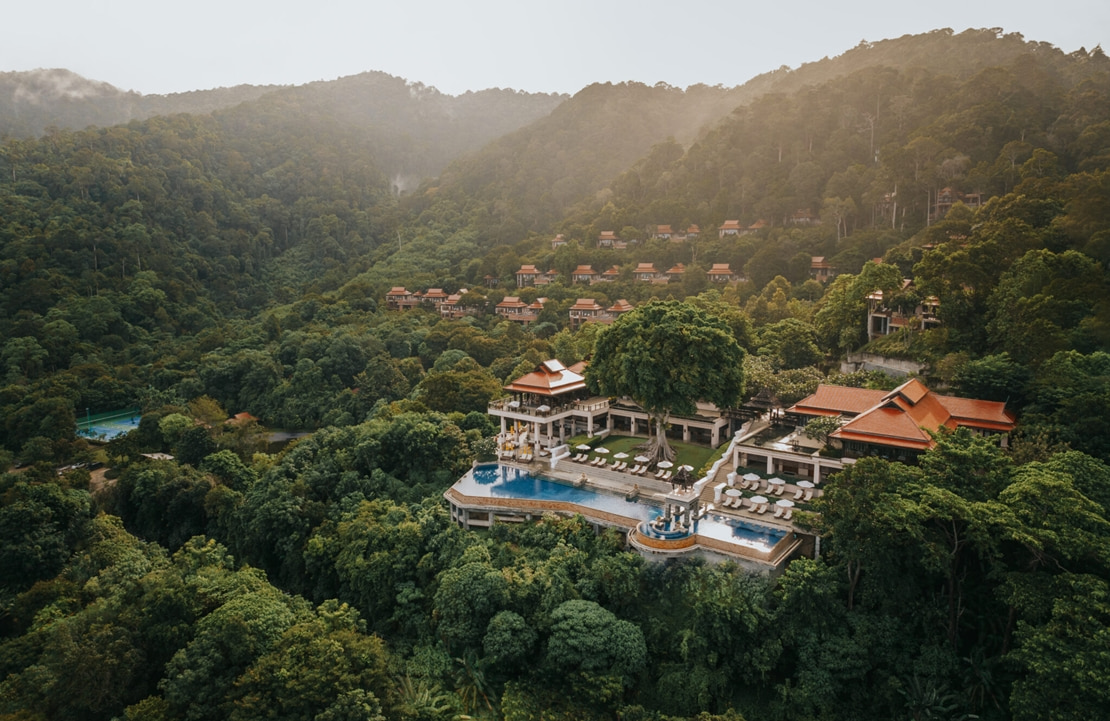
657, 447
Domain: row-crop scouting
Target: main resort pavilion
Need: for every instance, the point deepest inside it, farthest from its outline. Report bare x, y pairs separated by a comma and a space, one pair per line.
551, 404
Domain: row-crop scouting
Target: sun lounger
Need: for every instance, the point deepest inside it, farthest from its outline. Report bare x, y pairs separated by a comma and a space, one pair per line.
778, 511
808, 495
798, 494
660, 472
779, 489
754, 486
762, 508
667, 476
614, 466
789, 512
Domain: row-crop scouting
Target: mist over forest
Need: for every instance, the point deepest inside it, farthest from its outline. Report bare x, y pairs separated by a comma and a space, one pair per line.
216, 265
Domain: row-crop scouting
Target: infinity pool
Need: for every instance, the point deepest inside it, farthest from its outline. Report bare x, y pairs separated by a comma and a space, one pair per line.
496, 480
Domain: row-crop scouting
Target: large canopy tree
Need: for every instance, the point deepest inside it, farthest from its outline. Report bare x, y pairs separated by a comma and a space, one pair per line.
667, 356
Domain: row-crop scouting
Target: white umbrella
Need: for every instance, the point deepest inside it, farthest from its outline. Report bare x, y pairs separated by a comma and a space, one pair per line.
664, 464
544, 409
777, 481
641, 459
514, 404
621, 456
733, 492
758, 499
601, 450
751, 476
688, 469
785, 503
582, 447
805, 484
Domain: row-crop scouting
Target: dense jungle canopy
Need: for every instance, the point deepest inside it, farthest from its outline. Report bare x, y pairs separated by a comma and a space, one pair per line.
229, 251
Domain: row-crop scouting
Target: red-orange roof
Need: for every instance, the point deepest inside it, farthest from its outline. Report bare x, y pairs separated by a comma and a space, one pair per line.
511, 301
527, 270
613, 271
902, 417
621, 306
551, 378
586, 304
836, 400
678, 268
584, 270
720, 269
730, 225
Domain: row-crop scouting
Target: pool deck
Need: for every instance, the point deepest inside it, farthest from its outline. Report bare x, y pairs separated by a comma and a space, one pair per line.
470, 510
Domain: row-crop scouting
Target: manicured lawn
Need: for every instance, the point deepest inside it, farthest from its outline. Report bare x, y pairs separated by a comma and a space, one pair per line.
696, 456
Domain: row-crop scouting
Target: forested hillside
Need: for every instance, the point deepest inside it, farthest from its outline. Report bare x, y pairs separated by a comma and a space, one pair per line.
236, 261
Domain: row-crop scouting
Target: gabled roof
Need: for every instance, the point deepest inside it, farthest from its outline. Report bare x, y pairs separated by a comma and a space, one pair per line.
720, 269
608, 235
584, 270
537, 304
678, 268
730, 225
511, 301
621, 306
831, 400
663, 229
586, 304
528, 270
612, 271
550, 378
435, 294
397, 290
902, 417
693, 229
645, 268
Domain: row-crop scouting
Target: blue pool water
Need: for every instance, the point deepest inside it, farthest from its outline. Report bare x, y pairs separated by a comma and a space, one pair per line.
500, 481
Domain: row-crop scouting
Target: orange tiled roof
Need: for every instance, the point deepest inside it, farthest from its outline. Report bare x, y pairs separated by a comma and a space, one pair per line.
584, 270
730, 225
586, 304
528, 270
904, 416
613, 271
511, 301
621, 306
837, 400
645, 268
551, 378
678, 268
720, 269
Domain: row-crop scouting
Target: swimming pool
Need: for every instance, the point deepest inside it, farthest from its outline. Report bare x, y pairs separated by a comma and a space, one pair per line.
496, 480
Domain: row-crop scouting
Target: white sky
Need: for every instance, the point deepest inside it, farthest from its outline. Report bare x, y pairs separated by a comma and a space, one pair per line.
154, 46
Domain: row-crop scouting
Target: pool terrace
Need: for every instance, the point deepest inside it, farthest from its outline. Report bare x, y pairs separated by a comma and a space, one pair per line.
657, 522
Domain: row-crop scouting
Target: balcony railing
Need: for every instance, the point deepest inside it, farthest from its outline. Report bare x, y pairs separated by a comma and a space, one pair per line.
546, 410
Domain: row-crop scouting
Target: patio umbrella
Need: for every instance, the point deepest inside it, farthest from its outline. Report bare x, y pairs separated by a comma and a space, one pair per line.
664, 464
805, 484
758, 499
751, 476
582, 447
641, 459
785, 503
544, 409
686, 468
777, 481
514, 404
601, 450
734, 492
620, 456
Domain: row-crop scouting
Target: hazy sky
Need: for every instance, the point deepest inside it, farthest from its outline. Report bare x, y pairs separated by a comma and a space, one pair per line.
156, 47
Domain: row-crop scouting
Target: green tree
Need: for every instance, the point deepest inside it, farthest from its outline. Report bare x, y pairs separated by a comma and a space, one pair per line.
667, 356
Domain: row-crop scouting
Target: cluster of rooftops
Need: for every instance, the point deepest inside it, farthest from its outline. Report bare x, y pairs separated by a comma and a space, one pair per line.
896, 423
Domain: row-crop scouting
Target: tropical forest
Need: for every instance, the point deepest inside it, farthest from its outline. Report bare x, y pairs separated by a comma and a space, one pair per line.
269, 538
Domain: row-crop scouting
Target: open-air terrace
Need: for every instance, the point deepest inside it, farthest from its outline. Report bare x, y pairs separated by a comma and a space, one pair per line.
545, 408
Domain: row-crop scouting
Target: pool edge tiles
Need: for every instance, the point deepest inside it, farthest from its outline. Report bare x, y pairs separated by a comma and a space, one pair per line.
490, 491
